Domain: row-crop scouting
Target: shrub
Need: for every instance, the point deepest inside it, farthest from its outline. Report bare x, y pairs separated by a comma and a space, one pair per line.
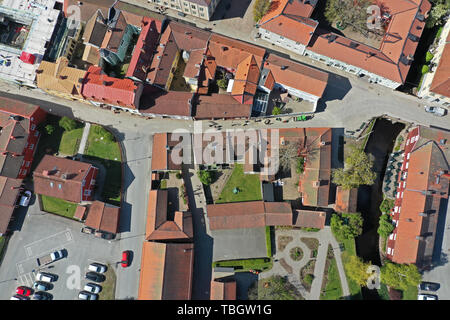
425, 69
206, 177
385, 225
300, 165
49, 129
260, 9
276, 111
178, 175
387, 205
222, 83
68, 124
429, 56
308, 278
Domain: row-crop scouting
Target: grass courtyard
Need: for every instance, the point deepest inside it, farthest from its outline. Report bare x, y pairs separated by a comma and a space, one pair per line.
58, 206
70, 141
249, 186
109, 286
101, 147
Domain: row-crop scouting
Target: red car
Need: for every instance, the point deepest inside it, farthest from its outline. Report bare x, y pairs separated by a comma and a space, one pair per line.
125, 259
24, 291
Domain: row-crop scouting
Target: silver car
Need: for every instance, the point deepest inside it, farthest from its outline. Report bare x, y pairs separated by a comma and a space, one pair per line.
84, 295
437, 111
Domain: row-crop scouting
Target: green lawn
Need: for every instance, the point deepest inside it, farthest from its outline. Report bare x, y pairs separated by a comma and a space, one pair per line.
383, 292
262, 264
269, 241
411, 293
249, 187
106, 152
333, 289
58, 206
109, 286
2, 245
350, 250
70, 141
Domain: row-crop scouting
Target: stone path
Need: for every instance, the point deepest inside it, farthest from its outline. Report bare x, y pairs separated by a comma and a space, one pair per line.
325, 238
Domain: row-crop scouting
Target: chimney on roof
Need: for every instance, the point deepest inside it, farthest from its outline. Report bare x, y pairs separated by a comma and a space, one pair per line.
284, 67
423, 214
420, 238
64, 176
316, 184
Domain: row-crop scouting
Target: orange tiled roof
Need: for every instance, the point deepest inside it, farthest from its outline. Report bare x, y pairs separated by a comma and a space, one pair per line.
441, 80
390, 59
223, 290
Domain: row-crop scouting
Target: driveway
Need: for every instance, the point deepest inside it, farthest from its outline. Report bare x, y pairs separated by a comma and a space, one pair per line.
41, 233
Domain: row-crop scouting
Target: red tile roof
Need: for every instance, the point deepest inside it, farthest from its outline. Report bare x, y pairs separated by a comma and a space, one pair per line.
396, 46
9, 193
176, 103
166, 271
223, 290
145, 46
441, 80
104, 89
297, 76
346, 200
159, 227
220, 106
309, 219
251, 214
290, 19
53, 172
103, 217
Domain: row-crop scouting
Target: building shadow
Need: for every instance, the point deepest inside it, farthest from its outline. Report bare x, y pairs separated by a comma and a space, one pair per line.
229, 9
244, 280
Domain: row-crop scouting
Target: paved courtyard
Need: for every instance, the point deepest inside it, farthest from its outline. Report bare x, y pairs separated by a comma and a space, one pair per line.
42, 233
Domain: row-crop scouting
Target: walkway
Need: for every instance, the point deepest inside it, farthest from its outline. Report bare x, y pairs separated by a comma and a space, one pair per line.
294, 267
84, 138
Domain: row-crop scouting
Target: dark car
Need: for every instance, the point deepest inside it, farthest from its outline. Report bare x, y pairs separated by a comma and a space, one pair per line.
41, 295
94, 276
429, 286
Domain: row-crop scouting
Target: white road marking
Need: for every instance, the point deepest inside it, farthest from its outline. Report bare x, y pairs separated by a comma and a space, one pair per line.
69, 236
29, 252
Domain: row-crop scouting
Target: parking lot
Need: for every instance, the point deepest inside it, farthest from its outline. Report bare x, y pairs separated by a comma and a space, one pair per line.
42, 233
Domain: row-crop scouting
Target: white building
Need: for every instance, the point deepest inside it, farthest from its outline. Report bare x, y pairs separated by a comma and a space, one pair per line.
202, 9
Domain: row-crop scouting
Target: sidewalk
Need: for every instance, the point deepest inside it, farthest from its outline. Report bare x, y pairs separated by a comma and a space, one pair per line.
84, 138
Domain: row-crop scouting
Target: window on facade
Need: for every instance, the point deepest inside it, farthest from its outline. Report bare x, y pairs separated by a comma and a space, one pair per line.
87, 192
27, 164
31, 146
59, 186
51, 184
200, 9
193, 7
36, 133
33, 126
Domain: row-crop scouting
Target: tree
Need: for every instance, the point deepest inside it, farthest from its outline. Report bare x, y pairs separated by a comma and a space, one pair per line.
387, 205
349, 12
276, 111
438, 12
385, 225
346, 225
222, 83
357, 270
260, 9
357, 170
68, 124
287, 155
400, 276
49, 129
300, 165
205, 176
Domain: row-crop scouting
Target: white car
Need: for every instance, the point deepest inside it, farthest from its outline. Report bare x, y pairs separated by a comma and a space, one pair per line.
47, 277
438, 111
92, 288
427, 297
97, 267
25, 199
83, 295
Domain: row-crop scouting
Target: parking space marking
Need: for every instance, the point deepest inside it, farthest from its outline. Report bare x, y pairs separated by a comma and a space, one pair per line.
26, 279
48, 244
69, 236
29, 252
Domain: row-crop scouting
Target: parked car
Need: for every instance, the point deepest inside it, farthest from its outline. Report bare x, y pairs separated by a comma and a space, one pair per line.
429, 286
125, 259
41, 295
93, 276
438, 111
25, 199
24, 291
84, 295
47, 277
92, 288
97, 267
41, 285
19, 297
427, 297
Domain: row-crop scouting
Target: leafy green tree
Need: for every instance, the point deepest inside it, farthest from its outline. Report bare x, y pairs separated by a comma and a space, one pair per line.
357, 170
49, 129
357, 270
346, 225
205, 176
385, 225
222, 83
349, 12
438, 11
276, 111
67, 124
400, 276
260, 9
